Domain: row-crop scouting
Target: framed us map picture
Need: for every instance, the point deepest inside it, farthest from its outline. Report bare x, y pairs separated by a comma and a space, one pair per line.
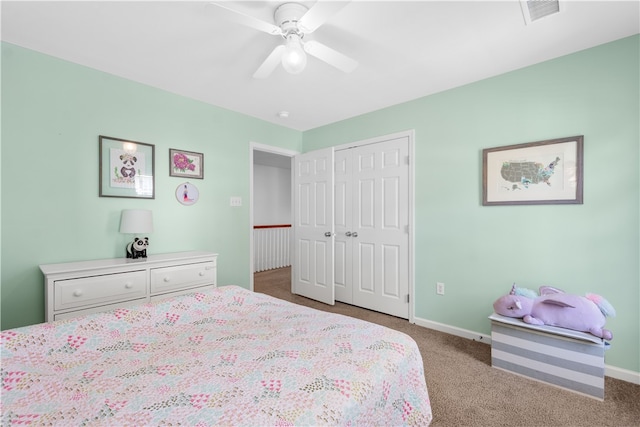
535, 173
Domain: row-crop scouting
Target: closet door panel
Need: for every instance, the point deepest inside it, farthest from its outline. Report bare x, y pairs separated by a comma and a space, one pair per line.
390, 203
364, 269
321, 264
312, 271
365, 205
304, 216
391, 265
366, 161
304, 273
343, 243
341, 280
381, 219
322, 217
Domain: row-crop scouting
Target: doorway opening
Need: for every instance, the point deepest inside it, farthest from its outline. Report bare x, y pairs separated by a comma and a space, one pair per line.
381, 155
270, 199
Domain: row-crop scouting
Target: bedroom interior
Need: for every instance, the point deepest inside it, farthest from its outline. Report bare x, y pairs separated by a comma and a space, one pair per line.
59, 96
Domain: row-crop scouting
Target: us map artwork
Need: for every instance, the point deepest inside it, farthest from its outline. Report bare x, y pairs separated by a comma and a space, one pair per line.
522, 174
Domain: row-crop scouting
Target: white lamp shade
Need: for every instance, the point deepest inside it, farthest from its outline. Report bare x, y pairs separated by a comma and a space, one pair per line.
136, 221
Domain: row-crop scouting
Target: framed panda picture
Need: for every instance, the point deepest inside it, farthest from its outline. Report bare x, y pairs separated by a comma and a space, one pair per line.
126, 168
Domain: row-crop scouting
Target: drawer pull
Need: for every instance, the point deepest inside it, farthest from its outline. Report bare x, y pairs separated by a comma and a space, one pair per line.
202, 273
166, 279
77, 293
128, 285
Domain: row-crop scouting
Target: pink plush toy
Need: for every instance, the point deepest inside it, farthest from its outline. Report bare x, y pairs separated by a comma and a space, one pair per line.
555, 308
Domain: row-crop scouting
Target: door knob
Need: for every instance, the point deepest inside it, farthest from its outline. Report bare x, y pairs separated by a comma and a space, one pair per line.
328, 234
354, 234
348, 234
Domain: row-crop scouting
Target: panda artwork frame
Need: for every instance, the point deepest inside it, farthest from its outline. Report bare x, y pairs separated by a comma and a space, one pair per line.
126, 168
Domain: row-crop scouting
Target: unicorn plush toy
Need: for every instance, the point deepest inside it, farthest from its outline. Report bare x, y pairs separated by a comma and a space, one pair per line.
556, 308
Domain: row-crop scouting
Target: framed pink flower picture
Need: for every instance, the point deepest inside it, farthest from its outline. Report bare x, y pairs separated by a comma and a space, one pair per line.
186, 164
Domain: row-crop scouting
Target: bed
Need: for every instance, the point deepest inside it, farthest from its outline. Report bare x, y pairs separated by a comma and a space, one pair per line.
226, 356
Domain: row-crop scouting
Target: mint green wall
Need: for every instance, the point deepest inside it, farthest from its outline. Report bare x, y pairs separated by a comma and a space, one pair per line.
478, 252
53, 112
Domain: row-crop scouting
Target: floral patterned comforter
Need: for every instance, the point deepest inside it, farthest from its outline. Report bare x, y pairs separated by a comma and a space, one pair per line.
222, 357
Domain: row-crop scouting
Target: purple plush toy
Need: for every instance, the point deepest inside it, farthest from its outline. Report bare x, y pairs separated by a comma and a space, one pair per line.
555, 308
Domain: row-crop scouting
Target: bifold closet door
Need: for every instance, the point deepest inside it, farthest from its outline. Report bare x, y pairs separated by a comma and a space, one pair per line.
343, 243
371, 224
312, 268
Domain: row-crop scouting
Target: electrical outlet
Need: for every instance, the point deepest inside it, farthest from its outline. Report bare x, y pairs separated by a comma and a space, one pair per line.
440, 288
235, 201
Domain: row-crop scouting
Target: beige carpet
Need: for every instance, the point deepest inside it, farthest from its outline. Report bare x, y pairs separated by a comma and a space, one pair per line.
466, 391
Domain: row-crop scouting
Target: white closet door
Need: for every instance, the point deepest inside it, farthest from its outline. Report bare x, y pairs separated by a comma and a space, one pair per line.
312, 270
372, 219
343, 247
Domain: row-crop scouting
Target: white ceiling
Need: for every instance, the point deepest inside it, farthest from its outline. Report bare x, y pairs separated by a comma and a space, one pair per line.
406, 50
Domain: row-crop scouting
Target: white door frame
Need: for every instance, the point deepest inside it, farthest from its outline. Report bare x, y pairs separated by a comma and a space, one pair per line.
290, 153
254, 146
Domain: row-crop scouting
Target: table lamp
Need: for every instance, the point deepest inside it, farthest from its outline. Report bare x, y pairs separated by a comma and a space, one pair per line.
137, 222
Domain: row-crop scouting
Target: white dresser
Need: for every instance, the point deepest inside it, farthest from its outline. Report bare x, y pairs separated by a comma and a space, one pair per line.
77, 288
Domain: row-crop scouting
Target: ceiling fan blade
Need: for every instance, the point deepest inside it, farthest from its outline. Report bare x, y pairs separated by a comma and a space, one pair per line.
270, 63
246, 20
318, 15
330, 56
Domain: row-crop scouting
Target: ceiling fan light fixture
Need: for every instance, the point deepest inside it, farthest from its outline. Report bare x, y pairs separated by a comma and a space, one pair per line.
294, 59
293, 21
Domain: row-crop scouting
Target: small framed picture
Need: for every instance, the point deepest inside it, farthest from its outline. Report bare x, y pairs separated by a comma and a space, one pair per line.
535, 173
186, 164
187, 194
126, 168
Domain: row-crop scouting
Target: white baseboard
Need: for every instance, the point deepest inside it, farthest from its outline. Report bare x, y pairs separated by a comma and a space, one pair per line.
622, 374
609, 371
448, 329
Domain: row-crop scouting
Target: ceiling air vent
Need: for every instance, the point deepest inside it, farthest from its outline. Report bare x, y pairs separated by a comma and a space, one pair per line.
538, 9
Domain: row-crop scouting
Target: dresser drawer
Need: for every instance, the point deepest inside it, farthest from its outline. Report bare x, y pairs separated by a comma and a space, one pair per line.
168, 295
169, 279
98, 309
87, 291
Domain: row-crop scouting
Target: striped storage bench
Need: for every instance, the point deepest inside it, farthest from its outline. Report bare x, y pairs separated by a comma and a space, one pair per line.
561, 357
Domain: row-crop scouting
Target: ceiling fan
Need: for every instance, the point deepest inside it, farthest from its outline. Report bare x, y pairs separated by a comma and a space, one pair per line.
292, 22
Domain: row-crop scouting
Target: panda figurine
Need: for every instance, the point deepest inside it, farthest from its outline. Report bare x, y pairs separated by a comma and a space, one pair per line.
138, 248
